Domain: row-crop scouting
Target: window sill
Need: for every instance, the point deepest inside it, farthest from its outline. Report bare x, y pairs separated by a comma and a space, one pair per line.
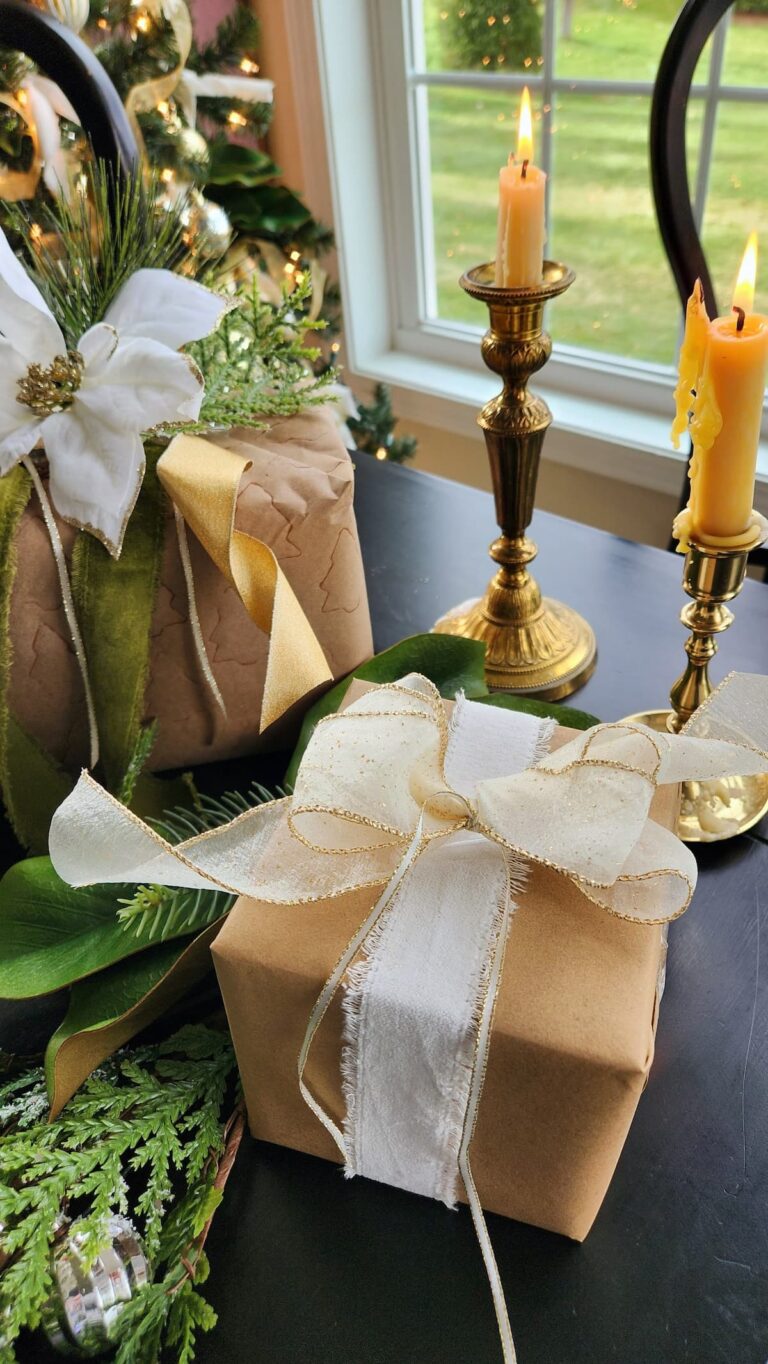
599, 438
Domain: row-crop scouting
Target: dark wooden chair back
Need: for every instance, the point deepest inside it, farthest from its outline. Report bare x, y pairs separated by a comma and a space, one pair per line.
68, 60
669, 169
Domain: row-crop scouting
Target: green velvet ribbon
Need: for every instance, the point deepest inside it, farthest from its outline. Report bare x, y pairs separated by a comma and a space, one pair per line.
115, 601
32, 783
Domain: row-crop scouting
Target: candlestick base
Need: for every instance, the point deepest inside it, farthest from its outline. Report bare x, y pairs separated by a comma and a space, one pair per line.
543, 648
712, 576
712, 810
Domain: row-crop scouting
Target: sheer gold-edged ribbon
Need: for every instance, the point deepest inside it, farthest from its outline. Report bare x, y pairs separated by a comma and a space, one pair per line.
148, 94
203, 481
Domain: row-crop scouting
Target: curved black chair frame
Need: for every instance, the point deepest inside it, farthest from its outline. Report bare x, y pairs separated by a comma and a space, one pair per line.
63, 56
669, 169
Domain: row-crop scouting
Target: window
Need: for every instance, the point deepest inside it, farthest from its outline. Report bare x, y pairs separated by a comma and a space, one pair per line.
420, 123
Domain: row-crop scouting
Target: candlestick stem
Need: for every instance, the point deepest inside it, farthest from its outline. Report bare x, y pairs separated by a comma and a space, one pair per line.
534, 645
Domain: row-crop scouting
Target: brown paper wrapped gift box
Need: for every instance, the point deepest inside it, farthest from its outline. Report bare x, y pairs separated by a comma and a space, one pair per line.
297, 498
570, 1053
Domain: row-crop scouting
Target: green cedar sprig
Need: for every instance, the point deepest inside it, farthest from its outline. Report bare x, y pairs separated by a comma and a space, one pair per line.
142, 1136
257, 364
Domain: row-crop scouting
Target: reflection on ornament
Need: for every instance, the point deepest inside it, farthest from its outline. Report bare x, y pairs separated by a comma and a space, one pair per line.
192, 154
208, 230
73, 13
83, 1309
140, 21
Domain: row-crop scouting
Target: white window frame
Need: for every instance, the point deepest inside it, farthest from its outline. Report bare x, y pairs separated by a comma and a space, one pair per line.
375, 83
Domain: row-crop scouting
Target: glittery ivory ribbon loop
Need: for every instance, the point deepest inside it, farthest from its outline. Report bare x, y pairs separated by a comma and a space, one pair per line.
203, 481
446, 819
374, 771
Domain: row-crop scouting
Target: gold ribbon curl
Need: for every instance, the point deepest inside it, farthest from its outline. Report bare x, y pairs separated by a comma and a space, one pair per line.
203, 481
148, 94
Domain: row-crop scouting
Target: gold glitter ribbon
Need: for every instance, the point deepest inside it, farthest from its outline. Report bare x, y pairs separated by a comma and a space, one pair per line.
203, 481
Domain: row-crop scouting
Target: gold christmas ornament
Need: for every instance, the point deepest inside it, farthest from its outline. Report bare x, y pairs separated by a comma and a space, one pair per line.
192, 153
73, 13
208, 229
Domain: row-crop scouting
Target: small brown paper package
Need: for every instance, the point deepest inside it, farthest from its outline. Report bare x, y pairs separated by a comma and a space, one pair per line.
570, 1052
297, 499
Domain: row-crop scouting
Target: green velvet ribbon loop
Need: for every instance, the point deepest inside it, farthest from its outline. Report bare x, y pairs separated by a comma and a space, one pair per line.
115, 601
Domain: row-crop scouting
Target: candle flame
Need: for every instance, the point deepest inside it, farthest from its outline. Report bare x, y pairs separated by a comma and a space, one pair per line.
744, 293
525, 129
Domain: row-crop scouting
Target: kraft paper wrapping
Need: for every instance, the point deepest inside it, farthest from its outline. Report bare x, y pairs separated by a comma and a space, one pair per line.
297, 498
570, 1053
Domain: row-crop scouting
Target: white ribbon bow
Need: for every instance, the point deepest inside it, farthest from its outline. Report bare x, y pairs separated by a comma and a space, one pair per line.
383, 798
212, 85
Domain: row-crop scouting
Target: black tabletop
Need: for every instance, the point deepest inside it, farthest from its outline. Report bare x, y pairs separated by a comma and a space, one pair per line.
308, 1268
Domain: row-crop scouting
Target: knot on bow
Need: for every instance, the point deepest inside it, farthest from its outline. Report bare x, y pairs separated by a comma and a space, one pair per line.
377, 772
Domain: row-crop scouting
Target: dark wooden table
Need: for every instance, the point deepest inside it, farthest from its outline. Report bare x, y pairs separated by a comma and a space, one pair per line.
308, 1268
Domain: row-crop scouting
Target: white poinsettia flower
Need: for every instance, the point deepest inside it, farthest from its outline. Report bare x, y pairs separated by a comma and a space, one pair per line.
90, 406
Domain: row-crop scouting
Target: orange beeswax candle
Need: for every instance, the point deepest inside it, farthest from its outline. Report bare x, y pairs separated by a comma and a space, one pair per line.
729, 358
521, 234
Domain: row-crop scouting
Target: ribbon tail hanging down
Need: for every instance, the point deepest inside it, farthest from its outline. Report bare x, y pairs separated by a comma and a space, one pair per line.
203, 482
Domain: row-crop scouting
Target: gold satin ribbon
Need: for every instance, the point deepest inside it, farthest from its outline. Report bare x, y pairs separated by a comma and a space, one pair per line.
203, 481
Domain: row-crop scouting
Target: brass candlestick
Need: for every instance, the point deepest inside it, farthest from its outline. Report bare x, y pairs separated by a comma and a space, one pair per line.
533, 645
712, 576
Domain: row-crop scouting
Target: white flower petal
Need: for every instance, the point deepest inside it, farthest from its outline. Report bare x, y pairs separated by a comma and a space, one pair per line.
19, 426
53, 93
96, 472
165, 307
97, 346
25, 318
141, 385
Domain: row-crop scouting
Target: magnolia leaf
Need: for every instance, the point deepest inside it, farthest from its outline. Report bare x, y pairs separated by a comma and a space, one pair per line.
54, 934
565, 715
453, 664
106, 1011
270, 211
233, 165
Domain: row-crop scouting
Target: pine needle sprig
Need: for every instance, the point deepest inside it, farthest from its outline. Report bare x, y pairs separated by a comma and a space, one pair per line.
99, 238
150, 1118
158, 913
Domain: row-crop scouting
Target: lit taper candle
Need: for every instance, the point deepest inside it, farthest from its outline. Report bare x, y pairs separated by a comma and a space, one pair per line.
719, 397
521, 235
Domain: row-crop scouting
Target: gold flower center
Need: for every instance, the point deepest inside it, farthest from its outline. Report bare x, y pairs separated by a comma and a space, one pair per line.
53, 389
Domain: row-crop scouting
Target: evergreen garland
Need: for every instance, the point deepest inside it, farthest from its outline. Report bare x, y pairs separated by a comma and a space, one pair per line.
145, 1132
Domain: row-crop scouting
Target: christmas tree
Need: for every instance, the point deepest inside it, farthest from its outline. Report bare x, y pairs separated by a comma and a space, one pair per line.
200, 113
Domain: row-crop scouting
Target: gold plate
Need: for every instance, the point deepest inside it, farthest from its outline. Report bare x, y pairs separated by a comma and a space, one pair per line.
711, 811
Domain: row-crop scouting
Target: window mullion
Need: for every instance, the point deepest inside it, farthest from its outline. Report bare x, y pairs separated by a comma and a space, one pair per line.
710, 119
549, 39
